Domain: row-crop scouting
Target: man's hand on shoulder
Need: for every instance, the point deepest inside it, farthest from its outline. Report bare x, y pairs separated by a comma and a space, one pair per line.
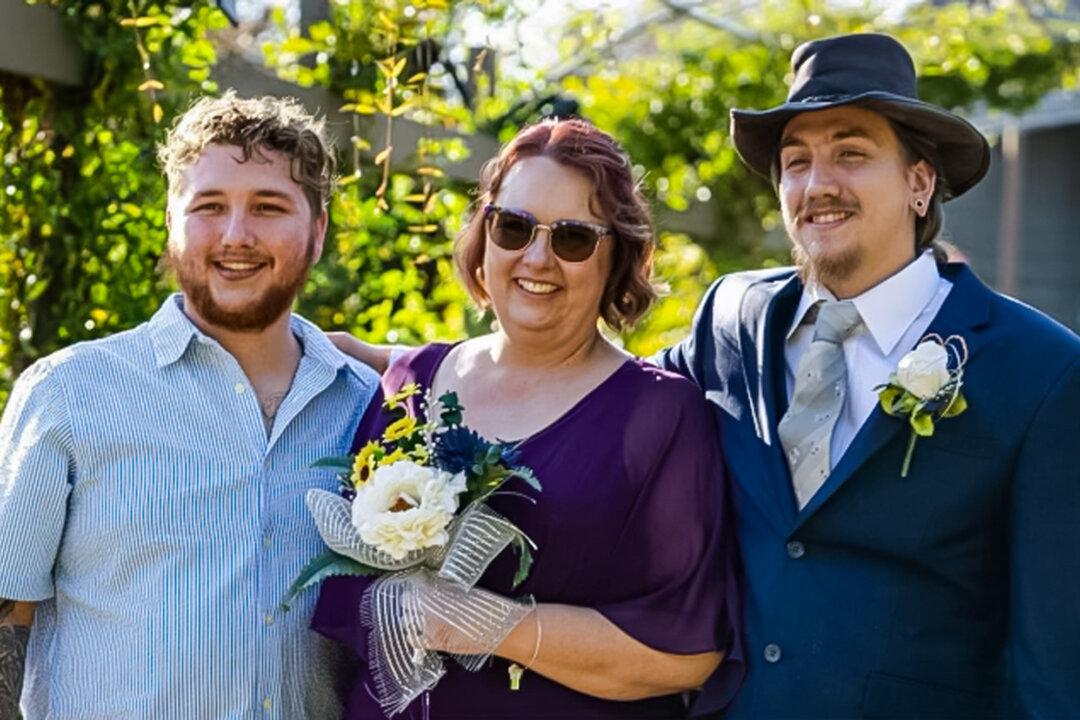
15, 620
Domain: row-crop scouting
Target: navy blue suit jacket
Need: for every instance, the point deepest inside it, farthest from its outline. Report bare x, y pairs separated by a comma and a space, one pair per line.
954, 592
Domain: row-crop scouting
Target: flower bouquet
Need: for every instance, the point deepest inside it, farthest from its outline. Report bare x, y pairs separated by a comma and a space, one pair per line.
413, 513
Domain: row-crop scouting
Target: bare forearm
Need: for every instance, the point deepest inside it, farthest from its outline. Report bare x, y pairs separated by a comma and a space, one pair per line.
583, 650
377, 357
15, 619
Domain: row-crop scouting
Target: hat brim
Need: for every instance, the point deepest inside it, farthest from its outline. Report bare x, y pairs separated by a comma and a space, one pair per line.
965, 153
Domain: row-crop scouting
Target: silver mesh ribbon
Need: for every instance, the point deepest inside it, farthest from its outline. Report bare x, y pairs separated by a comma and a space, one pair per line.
428, 600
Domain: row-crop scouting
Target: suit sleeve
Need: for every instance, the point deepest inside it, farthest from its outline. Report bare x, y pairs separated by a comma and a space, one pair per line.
697, 351
1044, 634
35, 470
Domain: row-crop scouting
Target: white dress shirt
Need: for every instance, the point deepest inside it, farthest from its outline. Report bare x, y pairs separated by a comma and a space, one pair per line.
895, 313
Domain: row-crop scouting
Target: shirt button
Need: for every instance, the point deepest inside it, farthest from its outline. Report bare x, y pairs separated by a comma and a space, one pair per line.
267, 542
772, 653
239, 388
268, 618
267, 703
795, 549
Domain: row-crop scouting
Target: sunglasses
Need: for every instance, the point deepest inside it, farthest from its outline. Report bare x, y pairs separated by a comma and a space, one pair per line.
571, 240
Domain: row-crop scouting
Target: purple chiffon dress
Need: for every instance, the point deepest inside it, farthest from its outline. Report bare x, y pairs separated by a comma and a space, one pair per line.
632, 522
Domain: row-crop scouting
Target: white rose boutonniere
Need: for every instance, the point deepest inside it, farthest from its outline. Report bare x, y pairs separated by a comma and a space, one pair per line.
926, 387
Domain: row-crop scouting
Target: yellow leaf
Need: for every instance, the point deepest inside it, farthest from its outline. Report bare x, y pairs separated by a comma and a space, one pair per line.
364, 109
429, 171
348, 107
360, 143
418, 77
349, 180
384, 106
398, 67
420, 197
384, 155
140, 22
423, 228
151, 85
403, 108
386, 22
158, 113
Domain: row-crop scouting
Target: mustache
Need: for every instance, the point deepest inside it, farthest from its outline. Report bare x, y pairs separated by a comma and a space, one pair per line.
831, 206
239, 258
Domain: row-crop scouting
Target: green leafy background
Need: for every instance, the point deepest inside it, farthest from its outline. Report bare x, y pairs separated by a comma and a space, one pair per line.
82, 208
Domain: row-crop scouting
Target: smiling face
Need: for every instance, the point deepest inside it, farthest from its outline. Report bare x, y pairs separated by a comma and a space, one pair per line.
242, 238
532, 291
847, 195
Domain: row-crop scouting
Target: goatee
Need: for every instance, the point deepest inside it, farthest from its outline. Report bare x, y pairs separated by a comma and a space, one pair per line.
826, 269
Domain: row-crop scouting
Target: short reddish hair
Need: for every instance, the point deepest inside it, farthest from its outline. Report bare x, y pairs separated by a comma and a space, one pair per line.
628, 291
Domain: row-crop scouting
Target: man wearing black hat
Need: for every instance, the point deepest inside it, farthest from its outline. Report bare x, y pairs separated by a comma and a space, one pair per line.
899, 434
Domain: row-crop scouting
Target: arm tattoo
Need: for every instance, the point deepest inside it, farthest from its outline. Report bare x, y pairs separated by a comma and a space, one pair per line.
13, 640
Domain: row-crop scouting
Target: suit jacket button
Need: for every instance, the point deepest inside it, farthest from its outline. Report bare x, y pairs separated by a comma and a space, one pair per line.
772, 653
795, 549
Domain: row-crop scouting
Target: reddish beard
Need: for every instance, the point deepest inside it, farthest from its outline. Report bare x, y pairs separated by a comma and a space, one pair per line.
256, 315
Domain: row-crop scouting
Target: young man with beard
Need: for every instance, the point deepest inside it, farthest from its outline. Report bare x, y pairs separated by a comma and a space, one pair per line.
951, 589
151, 485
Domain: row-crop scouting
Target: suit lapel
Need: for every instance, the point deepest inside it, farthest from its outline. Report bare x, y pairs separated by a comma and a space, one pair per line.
966, 309
765, 314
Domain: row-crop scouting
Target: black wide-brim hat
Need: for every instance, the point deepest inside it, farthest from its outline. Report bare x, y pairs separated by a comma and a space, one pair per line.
875, 72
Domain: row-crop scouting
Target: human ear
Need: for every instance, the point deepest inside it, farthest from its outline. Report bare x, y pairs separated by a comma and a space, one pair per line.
922, 180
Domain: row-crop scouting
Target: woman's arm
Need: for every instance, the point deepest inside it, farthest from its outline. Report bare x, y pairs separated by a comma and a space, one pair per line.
377, 357
580, 648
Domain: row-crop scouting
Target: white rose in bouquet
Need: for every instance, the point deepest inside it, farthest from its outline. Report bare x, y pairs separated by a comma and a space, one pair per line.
924, 370
406, 507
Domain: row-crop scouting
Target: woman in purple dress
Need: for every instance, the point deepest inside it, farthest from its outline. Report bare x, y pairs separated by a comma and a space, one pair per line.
634, 577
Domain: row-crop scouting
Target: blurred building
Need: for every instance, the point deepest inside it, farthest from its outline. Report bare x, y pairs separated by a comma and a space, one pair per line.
1020, 227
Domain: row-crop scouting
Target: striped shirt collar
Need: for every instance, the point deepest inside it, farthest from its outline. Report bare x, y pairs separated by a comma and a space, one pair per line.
172, 332
889, 308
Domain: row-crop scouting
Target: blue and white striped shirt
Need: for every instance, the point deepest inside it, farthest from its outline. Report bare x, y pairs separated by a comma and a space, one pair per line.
143, 506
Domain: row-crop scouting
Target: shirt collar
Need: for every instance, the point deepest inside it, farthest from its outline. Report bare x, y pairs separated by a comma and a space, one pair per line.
889, 308
171, 333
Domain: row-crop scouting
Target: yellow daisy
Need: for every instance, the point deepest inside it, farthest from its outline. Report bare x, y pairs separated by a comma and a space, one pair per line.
399, 429
364, 464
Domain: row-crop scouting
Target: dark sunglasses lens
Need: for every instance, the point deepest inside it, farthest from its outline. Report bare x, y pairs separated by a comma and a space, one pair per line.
573, 243
510, 231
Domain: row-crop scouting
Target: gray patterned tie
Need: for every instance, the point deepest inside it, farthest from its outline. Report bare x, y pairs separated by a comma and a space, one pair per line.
820, 386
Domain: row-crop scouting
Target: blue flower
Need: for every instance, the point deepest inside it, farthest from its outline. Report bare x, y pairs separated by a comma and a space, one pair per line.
458, 448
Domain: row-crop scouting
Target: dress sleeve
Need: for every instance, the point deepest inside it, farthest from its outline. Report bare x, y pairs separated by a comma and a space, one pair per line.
676, 559
36, 468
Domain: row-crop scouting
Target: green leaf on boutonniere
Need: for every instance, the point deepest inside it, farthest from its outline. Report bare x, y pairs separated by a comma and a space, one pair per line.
922, 423
888, 398
908, 403
958, 406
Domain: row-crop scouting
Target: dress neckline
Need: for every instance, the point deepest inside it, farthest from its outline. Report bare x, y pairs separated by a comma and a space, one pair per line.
442, 350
